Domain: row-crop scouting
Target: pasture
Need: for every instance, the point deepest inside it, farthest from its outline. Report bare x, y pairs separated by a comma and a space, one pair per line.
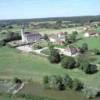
14, 63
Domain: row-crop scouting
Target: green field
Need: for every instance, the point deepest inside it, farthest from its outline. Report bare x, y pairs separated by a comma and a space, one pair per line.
14, 63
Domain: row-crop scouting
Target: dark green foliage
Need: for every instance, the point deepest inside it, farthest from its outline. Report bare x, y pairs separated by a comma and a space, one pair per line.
70, 38
85, 46
75, 33
54, 56
77, 85
61, 83
46, 82
37, 46
46, 37
90, 69
58, 24
68, 62
67, 81
87, 67
97, 52
10, 36
17, 80
50, 46
2, 43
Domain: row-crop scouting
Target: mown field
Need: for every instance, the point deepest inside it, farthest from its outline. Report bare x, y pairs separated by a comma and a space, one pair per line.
14, 63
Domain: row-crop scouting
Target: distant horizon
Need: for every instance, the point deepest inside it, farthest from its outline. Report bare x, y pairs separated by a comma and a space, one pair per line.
27, 9
50, 17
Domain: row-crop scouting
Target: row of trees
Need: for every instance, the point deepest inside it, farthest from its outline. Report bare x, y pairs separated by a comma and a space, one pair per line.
10, 36
70, 38
62, 83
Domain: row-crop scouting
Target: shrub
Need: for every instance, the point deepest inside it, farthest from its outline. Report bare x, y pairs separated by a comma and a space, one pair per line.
90, 93
77, 85
68, 62
85, 46
17, 81
46, 81
97, 52
90, 69
2, 43
67, 81
54, 56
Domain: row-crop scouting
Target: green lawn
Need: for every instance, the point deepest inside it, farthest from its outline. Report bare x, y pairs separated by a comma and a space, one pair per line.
27, 66
93, 42
14, 63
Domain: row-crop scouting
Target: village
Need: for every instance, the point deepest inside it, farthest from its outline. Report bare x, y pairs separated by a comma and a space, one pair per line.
49, 58
28, 39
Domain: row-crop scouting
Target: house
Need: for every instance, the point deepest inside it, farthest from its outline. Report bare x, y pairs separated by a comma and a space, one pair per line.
71, 51
58, 38
90, 33
29, 37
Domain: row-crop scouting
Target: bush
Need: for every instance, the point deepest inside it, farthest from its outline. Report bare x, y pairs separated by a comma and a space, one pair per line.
54, 82
68, 62
67, 81
17, 81
2, 43
46, 81
77, 85
97, 52
54, 56
90, 69
85, 46
12, 36
61, 83
90, 93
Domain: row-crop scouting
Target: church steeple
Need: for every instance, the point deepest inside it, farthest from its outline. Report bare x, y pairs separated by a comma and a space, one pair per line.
22, 34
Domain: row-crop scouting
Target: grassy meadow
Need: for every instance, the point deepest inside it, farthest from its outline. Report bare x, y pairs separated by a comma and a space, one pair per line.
14, 63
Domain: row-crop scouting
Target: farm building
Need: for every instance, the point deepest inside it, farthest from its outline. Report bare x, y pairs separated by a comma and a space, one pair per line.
71, 51
29, 37
90, 34
58, 38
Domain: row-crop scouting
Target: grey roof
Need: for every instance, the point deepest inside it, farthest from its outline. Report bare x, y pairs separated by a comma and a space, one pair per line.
31, 37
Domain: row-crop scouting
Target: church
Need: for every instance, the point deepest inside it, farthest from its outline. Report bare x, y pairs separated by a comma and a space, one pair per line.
29, 37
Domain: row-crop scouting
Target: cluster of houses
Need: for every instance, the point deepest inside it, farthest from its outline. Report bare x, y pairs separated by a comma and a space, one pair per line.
56, 38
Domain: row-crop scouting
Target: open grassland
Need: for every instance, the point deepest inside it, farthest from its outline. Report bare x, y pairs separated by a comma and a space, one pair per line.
28, 66
46, 31
93, 43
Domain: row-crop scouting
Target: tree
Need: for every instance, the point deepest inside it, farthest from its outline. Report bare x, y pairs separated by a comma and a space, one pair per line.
75, 32
68, 62
67, 81
17, 80
58, 24
54, 56
66, 38
87, 67
50, 46
2, 43
97, 52
85, 46
46, 37
56, 82
90, 69
46, 81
